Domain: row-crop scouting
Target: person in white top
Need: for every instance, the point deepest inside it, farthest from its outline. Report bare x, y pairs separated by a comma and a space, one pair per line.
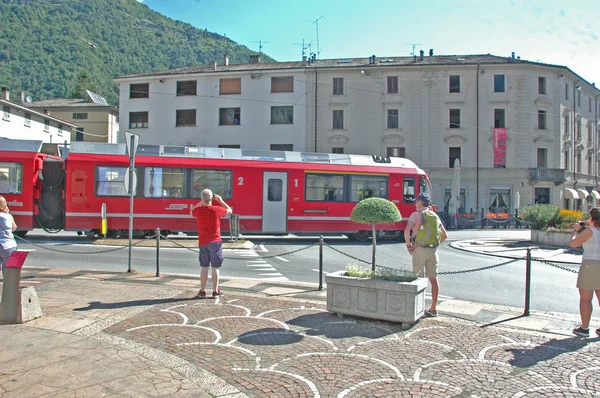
7, 241
587, 234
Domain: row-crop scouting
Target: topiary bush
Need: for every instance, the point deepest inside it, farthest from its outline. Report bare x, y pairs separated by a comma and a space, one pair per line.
375, 211
541, 216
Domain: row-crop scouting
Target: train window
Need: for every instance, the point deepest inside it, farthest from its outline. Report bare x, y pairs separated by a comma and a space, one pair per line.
408, 191
164, 182
363, 187
218, 181
109, 181
424, 186
11, 178
275, 190
324, 187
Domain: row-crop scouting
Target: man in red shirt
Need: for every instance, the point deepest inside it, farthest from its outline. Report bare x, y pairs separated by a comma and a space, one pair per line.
209, 238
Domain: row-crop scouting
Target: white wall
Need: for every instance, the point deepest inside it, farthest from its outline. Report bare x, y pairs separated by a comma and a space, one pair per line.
13, 126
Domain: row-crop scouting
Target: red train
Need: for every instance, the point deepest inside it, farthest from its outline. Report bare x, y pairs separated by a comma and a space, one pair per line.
273, 192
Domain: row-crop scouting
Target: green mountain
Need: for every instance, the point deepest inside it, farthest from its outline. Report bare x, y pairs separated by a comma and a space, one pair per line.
46, 45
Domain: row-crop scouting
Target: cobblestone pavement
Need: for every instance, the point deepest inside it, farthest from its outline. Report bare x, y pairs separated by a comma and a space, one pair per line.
280, 347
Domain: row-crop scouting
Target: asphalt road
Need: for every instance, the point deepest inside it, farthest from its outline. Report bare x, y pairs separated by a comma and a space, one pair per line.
552, 289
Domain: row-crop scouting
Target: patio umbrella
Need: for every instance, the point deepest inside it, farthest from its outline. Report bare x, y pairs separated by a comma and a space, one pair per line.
454, 204
517, 200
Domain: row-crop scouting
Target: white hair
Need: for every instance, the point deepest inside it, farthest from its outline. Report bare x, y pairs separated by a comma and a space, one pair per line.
206, 195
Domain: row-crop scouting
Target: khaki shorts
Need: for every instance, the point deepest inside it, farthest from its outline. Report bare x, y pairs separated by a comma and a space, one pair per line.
589, 275
425, 257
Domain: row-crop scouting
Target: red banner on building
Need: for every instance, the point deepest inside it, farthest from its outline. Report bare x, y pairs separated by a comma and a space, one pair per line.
499, 147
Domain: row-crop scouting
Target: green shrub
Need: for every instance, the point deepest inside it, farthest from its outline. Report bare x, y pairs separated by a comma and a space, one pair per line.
375, 211
541, 216
383, 273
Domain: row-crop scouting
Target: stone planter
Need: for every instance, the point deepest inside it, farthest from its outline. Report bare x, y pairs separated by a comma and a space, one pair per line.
402, 302
561, 239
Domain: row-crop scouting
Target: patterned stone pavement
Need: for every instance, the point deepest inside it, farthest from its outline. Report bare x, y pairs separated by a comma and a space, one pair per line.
280, 347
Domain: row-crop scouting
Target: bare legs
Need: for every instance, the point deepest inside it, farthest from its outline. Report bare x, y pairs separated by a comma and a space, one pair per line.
435, 289
204, 278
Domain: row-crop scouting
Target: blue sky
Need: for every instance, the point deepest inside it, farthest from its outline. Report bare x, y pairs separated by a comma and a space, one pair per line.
549, 31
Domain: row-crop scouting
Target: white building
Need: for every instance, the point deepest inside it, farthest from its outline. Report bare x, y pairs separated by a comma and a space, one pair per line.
20, 122
430, 109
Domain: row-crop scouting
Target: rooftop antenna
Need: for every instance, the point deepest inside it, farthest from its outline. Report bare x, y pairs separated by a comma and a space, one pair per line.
413, 47
260, 45
316, 22
304, 47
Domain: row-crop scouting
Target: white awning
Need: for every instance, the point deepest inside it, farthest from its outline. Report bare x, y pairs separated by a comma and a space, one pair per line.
570, 193
583, 193
595, 194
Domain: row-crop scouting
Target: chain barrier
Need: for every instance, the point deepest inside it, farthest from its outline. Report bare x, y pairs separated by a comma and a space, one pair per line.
346, 254
555, 265
248, 258
482, 268
70, 252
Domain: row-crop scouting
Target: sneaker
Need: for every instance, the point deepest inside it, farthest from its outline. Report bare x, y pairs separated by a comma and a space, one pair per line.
216, 294
431, 314
201, 294
579, 331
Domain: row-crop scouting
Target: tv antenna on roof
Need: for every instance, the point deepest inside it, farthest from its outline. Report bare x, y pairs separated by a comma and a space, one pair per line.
260, 45
413, 47
304, 47
316, 22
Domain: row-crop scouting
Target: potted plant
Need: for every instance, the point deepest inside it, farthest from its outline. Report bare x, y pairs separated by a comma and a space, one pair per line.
551, 225
379, 293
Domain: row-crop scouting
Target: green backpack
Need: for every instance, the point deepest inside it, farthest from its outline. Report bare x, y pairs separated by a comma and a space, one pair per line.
430, 233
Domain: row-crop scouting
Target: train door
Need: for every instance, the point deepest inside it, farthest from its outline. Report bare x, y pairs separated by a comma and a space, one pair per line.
274, 215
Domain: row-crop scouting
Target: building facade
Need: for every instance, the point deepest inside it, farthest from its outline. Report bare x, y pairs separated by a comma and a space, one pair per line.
20, 122
524, 132
96, 120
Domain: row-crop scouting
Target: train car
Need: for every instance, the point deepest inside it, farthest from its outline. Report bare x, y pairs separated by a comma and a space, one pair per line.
273, 192
23, 169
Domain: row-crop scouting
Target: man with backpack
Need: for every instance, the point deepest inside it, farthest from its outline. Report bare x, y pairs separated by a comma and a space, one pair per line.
423, 234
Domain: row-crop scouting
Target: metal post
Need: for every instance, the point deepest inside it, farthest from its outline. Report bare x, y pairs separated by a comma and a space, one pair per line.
131, 172
157, 251
527, 282
321, 262
483, 219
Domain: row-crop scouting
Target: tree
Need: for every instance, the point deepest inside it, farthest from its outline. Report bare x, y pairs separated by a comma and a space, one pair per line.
84, 82
375, 211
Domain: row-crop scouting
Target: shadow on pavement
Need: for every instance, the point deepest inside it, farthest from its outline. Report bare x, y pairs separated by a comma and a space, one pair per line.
97, 305
527, 357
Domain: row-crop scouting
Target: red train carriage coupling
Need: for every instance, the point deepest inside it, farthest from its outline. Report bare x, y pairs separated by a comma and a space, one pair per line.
272, 192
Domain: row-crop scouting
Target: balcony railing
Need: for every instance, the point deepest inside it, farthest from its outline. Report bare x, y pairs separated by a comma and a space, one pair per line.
546, 174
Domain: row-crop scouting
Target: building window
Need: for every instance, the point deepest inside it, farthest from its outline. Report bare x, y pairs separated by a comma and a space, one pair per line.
578, 98
578, 163
229, 116
392, 118
392, 84
60, 129
454, 118
138, 120
282, 84
230, 86
566, 91
28, 120
499, 83
395, 152
282, 115
282, 147
12, 178
5, 113
454, 153
589, 165
589, 134
589, 104
46, 125
232, 146
499, 118
542, 120
188, 87
185, 117
454, 83
566, 125
83, 115
542, 85
337, 149
542, 196
338, 119
542, 157
338, 86
141, 90
567, 164
578, 130
79, 134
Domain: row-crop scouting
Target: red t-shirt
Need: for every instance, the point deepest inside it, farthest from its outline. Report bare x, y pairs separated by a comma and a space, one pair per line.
209, 223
